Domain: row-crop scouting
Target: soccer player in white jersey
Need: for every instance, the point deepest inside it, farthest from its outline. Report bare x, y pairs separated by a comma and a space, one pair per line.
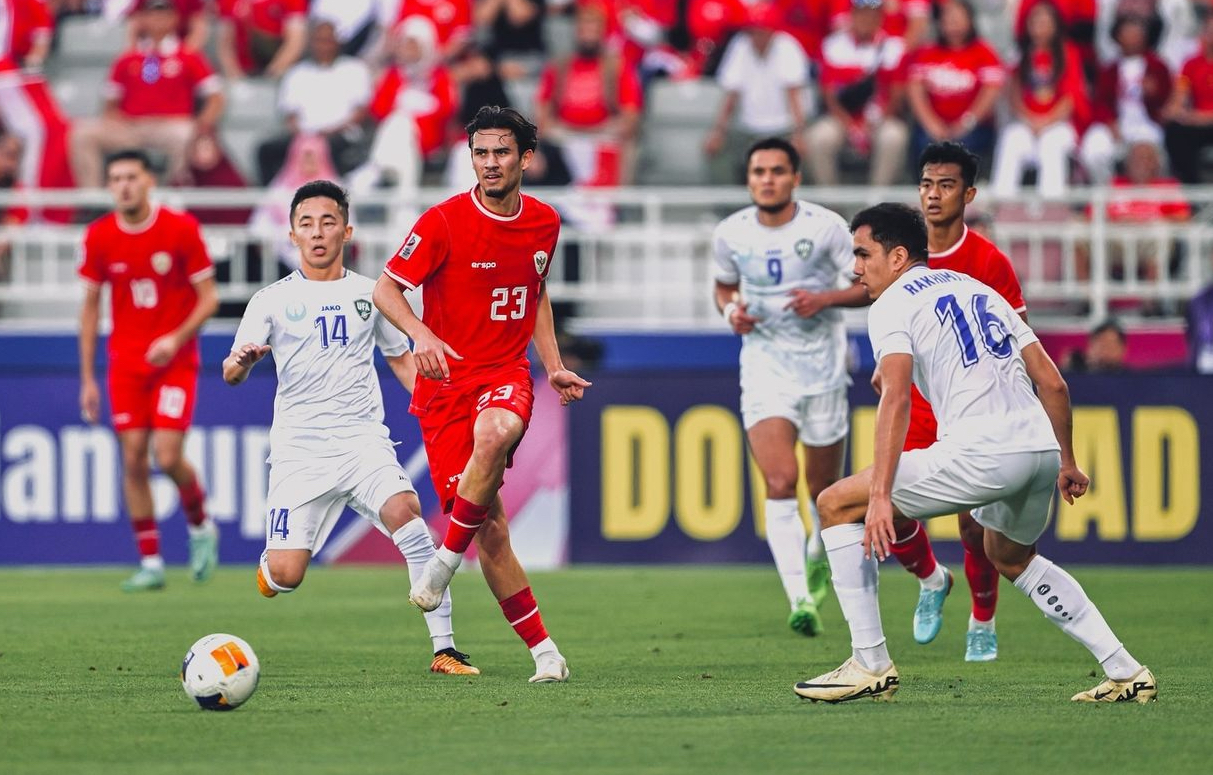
328, 445
783, 270
1001, 451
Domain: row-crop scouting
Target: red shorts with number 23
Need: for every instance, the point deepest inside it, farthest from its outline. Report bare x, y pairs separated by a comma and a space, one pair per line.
447, 413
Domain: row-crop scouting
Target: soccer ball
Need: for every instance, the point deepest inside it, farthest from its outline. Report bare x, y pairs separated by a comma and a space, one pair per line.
220, 672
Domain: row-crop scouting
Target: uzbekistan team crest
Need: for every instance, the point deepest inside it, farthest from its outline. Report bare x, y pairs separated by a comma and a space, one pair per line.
409, 246
296, 312
162, 262
363, 308
804, 248
541, 261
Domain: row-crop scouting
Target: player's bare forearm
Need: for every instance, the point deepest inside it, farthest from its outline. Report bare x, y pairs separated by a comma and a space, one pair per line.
1054, 396
206, 306
892, 421
855, 296
390, 301
238, 364
724, 294
545, 334
90, 313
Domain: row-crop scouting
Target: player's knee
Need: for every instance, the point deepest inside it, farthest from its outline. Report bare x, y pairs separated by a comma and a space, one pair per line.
831, 505
819, 484
135, 466
972, 534
167, 458
781, 484
493, 440
286, 573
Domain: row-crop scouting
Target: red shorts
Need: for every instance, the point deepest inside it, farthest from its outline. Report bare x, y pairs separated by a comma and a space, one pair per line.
924, 431
158, 399
447, 414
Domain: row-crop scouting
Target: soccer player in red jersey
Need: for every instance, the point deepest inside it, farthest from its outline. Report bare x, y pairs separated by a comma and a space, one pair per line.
163, 289
945, 187
481, 259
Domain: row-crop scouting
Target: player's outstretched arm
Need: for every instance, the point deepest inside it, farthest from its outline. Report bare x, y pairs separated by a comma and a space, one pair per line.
1055, 397
892, 424
90, 393
240, 362
570, 386
430, 352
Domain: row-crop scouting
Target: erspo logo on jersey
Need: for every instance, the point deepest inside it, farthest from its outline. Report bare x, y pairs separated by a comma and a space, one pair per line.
409, 246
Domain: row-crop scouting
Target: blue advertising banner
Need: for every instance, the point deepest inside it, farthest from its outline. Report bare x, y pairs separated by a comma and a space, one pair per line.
658, 471
60, 479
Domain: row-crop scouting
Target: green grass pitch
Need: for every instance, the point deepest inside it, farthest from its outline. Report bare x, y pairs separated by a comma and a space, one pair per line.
673, 670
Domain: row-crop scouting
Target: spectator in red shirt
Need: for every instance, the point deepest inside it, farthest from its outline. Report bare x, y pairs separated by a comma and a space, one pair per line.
260, 37
1129, 98
1078, 19
412, 105
954, 85
151, 93
863, 88
193, 22
1048, 100
710, 23
1189, 113
909, 20
590, 105
452, 20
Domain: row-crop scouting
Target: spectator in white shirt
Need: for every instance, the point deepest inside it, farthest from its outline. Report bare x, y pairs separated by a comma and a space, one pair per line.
764, 72
326, 95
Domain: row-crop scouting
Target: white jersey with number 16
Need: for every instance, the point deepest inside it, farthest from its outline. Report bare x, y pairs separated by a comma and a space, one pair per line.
966, 343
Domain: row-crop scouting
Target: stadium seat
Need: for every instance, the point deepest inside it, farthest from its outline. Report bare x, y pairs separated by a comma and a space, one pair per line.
88, 42
521, 92
676, 122
80, 90
240, 143
252, 102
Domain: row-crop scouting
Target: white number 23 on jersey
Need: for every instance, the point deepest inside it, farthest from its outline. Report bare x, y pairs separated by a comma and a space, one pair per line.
508, 303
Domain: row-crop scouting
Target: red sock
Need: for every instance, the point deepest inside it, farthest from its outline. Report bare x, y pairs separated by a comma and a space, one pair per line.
147, 536
983, 582
193, 502
466, 519
522, 612
913, 549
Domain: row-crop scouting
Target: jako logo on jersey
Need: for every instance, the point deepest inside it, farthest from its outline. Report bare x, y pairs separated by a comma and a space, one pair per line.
409, 246
162, 262
541, 261
295, 311
484, 264
363, 308
804, 247
330, 308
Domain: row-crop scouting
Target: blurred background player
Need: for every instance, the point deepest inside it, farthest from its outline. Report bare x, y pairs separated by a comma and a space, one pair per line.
783, 270
1003, 451
329, 447
945, 188
474, 390
162, 290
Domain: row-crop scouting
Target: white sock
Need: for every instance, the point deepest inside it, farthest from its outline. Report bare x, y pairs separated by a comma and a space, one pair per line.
937, 580
787, 539
206, 528
269, 580
817, 550
856, 582
1064, 603
451, 558
417, 546
976, 624
545, 646
152, 562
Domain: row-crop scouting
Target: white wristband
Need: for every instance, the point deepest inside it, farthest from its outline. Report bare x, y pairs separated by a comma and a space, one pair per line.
728, 311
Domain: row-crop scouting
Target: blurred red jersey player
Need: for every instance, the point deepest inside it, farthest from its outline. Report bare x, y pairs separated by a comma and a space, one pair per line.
163, 289
482, 259
946, 186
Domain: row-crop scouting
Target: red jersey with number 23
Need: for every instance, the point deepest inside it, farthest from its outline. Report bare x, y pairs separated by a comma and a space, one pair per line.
480, 275
151, 268
980, 259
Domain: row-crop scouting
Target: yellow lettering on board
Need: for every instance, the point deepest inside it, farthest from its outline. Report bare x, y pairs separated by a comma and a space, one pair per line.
1097, 449
1166, 442
708, 472
635, 473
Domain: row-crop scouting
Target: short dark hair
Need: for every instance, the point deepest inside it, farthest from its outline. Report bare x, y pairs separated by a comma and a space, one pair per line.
497, 117
895, 225
951, 152
129, 154
774, 144
1111, 324
324, 188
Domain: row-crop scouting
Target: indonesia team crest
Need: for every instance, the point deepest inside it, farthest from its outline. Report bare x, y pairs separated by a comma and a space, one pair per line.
541, 261
162, 262
363, 308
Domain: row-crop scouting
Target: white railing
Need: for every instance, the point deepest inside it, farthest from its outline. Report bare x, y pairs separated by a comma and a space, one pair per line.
640, 258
